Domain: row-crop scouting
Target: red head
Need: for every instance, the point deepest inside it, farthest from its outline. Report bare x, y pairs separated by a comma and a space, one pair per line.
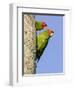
44, 24
50, 32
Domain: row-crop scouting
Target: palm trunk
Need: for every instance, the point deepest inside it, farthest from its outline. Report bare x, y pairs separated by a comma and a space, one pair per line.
29, 44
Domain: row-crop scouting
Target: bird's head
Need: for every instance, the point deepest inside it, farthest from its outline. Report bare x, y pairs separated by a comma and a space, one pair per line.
44, 24
50, 32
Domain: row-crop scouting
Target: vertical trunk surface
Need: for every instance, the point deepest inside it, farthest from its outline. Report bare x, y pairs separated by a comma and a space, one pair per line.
29, 44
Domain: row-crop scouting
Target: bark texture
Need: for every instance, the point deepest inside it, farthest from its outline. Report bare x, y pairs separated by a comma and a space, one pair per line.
29, 44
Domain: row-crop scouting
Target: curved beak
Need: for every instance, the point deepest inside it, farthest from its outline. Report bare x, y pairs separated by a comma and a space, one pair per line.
51, 33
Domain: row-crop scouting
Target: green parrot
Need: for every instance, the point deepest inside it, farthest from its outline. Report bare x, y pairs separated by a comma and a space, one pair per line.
40, 25
42, 41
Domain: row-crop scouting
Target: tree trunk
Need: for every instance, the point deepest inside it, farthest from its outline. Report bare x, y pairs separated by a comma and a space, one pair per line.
29, 44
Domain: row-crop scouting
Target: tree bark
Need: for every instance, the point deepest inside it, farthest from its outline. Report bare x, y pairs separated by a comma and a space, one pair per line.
29, 44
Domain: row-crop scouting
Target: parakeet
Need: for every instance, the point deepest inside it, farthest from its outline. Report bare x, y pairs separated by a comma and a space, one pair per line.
42, 41
40, 25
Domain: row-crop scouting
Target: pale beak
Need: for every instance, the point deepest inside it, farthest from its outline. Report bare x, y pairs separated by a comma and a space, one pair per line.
51, 34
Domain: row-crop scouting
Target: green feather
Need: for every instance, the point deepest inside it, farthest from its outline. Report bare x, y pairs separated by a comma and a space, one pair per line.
38, 25
42, 41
